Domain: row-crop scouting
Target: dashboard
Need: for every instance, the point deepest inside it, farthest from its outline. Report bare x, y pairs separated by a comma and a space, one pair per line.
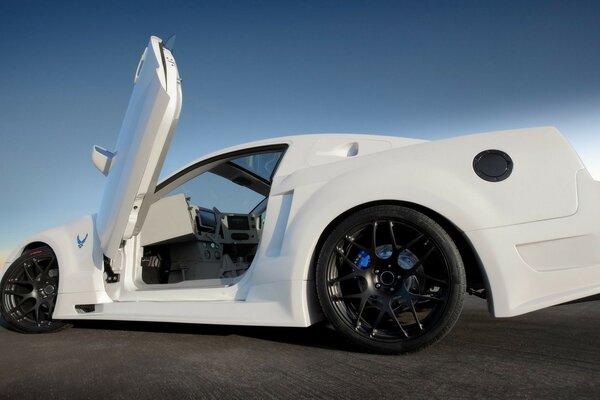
227, 227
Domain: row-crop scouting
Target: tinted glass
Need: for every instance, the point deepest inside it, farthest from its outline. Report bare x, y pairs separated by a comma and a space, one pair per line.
262, 164
209, 190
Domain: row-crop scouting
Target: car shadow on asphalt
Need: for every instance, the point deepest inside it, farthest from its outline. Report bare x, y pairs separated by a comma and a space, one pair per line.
319, 335
4, 324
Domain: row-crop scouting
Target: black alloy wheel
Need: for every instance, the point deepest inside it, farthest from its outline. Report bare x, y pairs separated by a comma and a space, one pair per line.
28, 292
390, 279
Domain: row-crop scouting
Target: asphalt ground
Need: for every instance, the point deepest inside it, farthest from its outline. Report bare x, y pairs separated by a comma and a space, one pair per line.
553, 353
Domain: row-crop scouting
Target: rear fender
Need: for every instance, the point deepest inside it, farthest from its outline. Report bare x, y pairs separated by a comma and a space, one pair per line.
439, 176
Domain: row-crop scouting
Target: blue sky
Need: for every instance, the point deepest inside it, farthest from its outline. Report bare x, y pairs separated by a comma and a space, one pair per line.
259, 69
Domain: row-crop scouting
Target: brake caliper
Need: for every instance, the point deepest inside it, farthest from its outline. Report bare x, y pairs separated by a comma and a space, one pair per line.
363, 259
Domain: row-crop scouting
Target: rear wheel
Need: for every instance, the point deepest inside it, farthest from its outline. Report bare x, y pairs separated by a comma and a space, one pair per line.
28, 292
390, 279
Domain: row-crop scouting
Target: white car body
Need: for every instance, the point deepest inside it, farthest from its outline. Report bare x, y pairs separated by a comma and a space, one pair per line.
533, 237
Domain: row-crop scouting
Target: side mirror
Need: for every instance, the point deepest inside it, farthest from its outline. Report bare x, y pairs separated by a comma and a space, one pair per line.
102, 159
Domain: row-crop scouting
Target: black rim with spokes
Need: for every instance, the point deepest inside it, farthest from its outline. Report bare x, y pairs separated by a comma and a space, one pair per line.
29, 292
388, 280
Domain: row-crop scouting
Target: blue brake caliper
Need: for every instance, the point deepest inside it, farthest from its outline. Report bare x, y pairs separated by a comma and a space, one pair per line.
363, 259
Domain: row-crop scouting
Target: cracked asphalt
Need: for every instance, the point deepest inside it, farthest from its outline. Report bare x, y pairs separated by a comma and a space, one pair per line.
553, 353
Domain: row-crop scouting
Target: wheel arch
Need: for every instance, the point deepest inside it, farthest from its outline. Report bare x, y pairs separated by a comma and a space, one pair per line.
36, 245
474, 269
39, 244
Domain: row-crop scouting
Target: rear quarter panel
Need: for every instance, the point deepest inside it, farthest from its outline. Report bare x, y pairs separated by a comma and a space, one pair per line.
438, 175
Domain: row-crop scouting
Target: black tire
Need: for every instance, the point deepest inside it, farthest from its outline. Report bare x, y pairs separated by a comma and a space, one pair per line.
28, 292
390, 279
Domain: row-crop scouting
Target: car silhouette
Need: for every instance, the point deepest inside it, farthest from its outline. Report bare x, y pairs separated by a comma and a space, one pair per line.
380, 236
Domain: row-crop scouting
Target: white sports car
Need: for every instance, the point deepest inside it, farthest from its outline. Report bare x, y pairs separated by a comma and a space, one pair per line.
380, 236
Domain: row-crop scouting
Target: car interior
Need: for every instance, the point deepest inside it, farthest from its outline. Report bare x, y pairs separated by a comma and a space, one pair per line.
208, 228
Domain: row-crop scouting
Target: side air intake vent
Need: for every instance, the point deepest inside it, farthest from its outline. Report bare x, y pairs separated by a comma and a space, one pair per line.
85, 308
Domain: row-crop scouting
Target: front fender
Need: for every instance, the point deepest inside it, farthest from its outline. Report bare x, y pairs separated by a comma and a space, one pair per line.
79, 256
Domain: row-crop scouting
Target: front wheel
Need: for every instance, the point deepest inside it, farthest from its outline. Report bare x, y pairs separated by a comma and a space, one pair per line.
390, 279
28, 292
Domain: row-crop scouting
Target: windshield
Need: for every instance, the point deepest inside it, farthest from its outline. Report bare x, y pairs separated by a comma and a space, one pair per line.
211, 190
238, 185
262, 164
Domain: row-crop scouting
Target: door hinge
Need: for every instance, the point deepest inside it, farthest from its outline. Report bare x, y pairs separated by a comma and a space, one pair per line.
111, 276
